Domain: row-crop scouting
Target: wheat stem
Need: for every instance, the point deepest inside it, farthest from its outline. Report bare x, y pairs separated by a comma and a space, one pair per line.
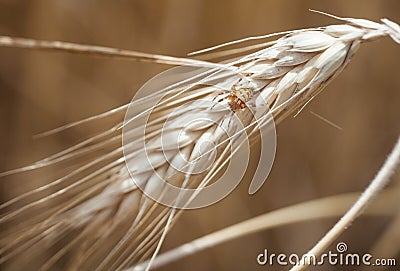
314, 209
375, 187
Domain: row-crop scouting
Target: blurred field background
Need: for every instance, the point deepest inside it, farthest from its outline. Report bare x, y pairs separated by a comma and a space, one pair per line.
43, 90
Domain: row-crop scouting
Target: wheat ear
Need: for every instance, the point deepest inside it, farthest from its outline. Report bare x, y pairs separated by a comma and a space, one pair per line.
98, 216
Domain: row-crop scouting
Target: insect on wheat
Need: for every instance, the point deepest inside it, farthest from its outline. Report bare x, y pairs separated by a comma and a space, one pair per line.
239, 94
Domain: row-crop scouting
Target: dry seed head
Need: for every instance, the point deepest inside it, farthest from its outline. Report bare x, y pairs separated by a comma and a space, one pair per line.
112, 224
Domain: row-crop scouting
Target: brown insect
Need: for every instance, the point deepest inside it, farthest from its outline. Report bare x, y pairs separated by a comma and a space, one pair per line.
240, 93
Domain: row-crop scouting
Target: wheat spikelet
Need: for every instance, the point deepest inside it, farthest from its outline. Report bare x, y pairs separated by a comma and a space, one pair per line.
98, 219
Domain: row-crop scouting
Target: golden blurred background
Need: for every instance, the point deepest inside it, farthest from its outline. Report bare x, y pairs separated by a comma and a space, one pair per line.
43, 90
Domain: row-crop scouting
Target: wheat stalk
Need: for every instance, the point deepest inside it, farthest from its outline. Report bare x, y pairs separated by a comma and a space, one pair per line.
321, 208
98, 217
367, 197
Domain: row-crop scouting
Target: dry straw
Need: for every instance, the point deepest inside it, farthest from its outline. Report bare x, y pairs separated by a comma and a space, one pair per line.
97, 219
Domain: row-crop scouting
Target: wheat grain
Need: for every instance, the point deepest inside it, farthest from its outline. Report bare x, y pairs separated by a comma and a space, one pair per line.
100, 218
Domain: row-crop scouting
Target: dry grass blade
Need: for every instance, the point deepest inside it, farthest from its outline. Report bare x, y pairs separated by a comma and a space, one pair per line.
368, 196
315, 209
98, 215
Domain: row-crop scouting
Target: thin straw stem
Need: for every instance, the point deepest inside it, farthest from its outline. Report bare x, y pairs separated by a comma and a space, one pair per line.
101, 51
314, 209
374, 188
